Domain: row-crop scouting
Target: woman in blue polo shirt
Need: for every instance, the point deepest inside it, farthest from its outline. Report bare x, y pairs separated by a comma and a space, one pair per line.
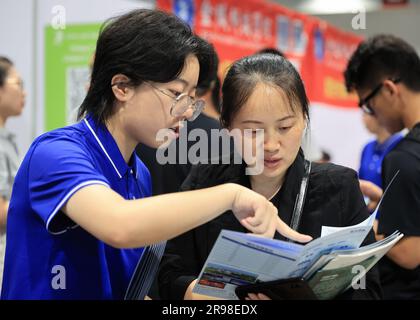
75, 230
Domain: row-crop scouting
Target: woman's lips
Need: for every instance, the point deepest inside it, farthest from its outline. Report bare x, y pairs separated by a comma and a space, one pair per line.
176, 129
271, 163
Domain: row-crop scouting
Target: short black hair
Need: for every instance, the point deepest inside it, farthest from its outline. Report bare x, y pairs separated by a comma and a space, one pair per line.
244, 75
5, 65
383, 57
144, 45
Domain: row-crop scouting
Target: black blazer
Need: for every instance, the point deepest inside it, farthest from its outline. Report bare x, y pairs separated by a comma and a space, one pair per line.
333, 199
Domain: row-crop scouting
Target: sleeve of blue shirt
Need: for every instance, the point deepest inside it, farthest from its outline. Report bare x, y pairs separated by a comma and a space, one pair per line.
58, 168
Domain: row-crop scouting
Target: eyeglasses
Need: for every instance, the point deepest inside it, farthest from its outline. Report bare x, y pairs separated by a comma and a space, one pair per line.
181, 103
364, 103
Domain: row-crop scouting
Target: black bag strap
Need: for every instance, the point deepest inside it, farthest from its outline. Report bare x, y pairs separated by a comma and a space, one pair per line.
300, 199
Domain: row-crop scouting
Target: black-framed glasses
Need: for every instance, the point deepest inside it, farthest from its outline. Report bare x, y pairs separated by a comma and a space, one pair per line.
181, 103
364, 103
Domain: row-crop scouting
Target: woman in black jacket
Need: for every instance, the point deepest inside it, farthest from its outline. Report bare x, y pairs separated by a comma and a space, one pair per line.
266, 92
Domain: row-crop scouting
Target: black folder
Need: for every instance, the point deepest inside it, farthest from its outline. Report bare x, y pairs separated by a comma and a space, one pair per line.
285, 289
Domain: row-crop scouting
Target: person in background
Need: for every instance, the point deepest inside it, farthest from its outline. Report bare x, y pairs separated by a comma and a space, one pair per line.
326, 157
209, 91
264, 91
375, 151
12, 100
271, 50
384, 71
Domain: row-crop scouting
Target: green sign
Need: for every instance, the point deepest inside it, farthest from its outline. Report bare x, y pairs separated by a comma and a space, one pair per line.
67, 55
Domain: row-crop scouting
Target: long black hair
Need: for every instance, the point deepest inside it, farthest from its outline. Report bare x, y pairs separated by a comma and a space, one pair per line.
144, 45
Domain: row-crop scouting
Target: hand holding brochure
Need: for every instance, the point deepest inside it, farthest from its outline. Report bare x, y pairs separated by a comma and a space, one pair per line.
321, 269
327, 264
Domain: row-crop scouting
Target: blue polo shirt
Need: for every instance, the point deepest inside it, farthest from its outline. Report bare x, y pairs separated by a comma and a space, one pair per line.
48, 256
373, 155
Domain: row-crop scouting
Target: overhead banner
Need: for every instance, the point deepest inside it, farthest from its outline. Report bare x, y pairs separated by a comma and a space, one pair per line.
331, 51
239, 28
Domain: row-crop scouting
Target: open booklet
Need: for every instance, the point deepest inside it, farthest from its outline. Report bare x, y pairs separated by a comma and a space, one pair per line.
329, 264
321, 269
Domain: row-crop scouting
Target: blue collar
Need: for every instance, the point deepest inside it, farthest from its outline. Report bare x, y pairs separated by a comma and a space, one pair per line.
107, 144
383, 147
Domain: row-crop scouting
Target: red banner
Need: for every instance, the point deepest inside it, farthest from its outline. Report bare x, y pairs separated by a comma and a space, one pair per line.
238, 28
331, 50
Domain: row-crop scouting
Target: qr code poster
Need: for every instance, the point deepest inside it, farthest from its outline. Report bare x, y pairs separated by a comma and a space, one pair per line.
68, 54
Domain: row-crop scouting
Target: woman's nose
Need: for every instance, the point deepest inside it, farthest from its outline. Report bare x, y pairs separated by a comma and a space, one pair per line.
271, 144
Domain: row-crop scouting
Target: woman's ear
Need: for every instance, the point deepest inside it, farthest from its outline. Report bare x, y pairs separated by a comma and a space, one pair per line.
391, 87
120, 88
